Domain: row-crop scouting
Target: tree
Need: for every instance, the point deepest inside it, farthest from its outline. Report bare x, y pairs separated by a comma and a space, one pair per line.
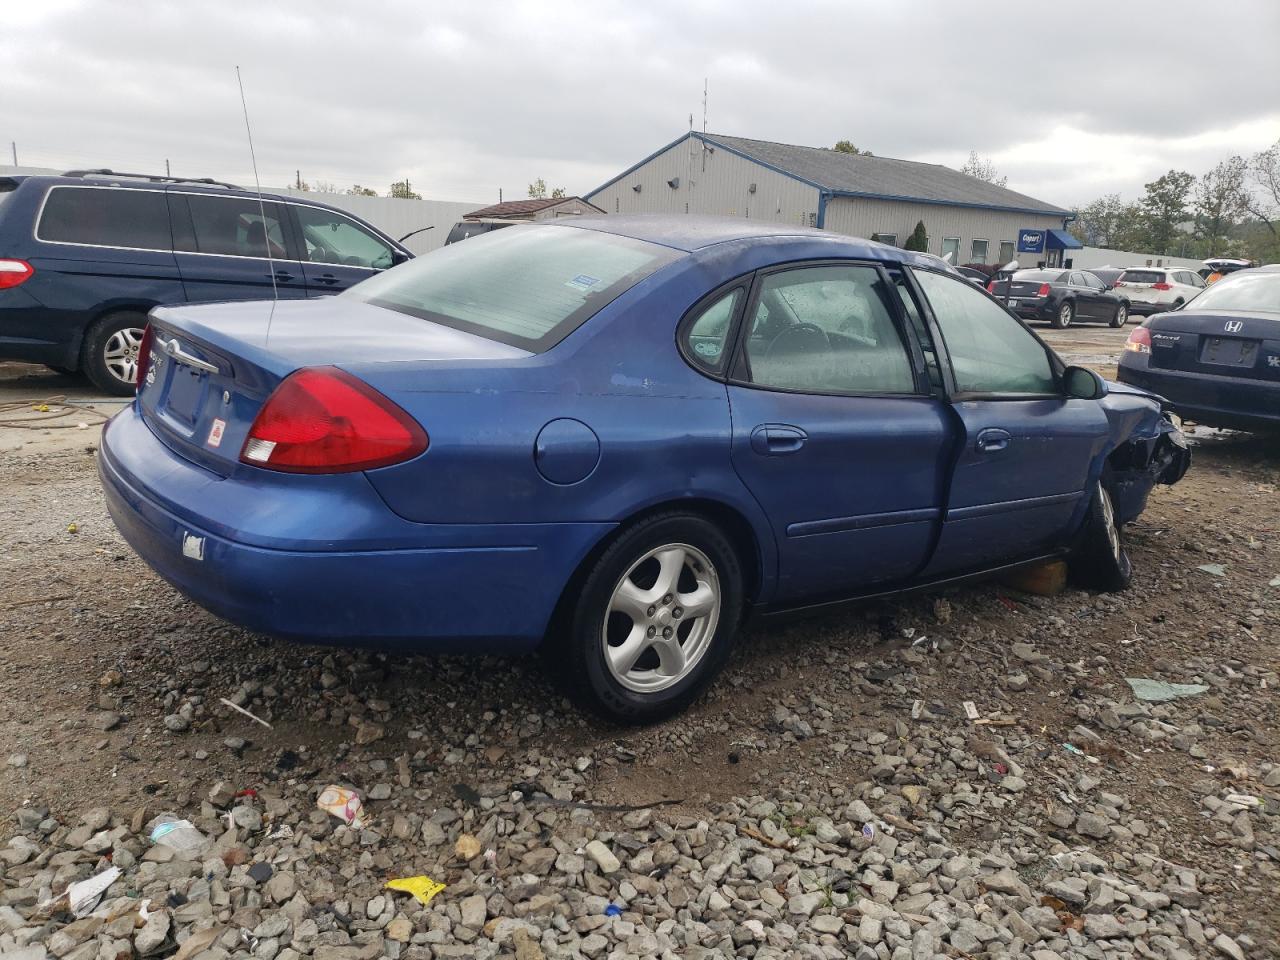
846, 146
402, 191
1263, 203
326, 186
557, 193
983, 169
1220, 202
1164, 207
359, 191
919, 239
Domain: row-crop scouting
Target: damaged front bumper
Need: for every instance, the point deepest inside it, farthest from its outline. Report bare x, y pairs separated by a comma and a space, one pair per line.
1141, 462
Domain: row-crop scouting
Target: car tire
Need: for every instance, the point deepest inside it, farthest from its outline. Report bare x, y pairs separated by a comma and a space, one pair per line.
613, 653
1100, 560
109, 357
1065, 314
1121, 316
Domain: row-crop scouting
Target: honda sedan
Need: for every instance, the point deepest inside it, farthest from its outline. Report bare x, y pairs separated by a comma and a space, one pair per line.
616, 438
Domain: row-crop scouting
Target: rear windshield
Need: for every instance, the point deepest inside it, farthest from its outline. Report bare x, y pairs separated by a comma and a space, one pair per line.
1143, 276
526, 286
1037, 276
106, 217
1243, 290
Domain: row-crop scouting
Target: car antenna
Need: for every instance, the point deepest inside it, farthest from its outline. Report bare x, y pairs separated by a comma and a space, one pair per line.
262, 209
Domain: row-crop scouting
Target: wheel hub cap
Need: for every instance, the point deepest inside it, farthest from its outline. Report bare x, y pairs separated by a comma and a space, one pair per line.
662, 618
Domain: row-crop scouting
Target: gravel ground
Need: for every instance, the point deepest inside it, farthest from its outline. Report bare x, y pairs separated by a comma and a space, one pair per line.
829, 797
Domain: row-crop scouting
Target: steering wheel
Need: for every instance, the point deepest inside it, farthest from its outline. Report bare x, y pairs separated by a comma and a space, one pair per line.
800, 338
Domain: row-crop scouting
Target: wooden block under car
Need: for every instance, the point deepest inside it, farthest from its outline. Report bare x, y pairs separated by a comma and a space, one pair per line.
1045, 579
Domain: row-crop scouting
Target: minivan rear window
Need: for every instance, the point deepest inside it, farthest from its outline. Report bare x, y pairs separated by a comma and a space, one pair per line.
1143, 276
106, 217
527, 286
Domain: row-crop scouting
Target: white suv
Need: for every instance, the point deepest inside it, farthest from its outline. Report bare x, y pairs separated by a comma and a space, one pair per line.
1153, 289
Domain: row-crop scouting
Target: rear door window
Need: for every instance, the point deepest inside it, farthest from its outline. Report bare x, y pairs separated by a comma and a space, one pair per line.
827, 329
708, 336
106, 217
236, 226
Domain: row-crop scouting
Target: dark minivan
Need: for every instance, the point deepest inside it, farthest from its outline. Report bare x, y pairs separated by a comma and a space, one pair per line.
85, 255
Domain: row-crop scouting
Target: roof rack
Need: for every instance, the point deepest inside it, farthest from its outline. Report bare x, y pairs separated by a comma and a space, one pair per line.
154, 178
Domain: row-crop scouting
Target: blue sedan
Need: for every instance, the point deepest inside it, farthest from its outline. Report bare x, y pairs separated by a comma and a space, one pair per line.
618, 437
1216, 359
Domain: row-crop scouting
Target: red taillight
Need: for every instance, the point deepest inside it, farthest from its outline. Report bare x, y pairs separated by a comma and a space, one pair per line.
14, 273
1161, 286
1139, 341
144, 356
1043, 291
323, 420
991, 286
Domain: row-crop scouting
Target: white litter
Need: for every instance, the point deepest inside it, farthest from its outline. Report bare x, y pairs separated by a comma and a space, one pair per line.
83, 896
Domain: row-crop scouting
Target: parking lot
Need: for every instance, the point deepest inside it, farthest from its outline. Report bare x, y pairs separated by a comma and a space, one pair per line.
828, 796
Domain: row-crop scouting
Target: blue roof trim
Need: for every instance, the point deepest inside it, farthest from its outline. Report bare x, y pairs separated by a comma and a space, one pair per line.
757, 161
634, 167
1041, 212
705, 139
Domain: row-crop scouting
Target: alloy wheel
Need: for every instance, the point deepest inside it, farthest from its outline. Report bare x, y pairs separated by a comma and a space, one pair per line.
120, 354
1064, 315
662, 618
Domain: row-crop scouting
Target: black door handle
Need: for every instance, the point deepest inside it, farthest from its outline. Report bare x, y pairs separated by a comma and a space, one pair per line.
328, 278
284, 275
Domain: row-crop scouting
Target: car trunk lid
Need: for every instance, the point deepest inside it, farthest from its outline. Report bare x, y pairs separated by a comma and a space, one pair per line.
1222, 344
213, 366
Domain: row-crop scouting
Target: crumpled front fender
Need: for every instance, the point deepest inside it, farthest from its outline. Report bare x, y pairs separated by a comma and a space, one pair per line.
1148, 448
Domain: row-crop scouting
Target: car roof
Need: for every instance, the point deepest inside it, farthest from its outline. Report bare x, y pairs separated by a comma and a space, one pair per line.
691, 233
182, 186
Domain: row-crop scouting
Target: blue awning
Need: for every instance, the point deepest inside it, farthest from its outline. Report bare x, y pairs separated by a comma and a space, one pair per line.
1061, 240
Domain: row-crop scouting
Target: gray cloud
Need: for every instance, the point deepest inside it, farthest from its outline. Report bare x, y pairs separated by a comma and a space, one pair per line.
470, 97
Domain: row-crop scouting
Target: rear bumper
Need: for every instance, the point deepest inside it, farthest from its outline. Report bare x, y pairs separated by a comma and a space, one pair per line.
460, 588
1217, 401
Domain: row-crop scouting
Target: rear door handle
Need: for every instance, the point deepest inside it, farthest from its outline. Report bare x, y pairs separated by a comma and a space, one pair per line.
775, 439
993, 440
326, 278
284, 275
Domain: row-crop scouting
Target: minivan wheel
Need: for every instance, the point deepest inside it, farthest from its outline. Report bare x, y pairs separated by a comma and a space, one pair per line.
1062, 319
656, 618
110, 354
1121, 317
1100, 560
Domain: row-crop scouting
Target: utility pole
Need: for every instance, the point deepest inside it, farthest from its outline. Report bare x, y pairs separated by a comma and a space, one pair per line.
499, 194
297, 179
14, 144
166, 166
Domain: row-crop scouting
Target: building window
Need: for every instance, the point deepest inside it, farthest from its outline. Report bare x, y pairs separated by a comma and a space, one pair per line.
979, 252
951, 245
1007, 248
813, 219
890, 238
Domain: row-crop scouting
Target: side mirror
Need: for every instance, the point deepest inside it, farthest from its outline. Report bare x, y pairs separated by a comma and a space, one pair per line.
399, 256
1083, 384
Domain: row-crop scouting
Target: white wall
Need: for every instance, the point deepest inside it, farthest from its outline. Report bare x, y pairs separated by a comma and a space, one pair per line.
397, 217
1089, 257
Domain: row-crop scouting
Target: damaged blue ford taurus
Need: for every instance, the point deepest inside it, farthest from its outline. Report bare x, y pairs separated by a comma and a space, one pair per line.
616, 438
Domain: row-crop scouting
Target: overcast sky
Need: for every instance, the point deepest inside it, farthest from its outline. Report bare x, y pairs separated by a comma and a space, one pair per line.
467, 97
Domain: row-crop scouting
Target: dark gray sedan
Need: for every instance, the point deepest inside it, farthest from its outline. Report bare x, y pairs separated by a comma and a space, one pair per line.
1062, 297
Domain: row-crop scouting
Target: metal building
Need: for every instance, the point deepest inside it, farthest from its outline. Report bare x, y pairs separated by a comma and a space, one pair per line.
873, 197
